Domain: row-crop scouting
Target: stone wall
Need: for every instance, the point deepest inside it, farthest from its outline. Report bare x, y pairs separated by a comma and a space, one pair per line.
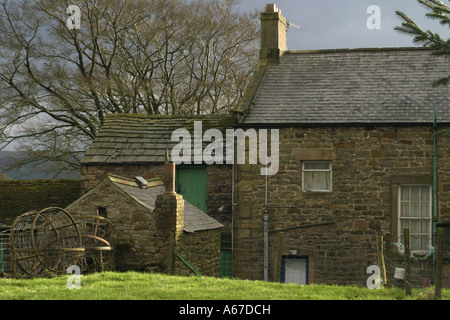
219, 200
201, 250
143, 240
368, 163
133, 239
20, 196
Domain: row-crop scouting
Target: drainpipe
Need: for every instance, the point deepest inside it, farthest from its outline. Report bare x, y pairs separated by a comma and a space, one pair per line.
435, 181
232, 217
266, 233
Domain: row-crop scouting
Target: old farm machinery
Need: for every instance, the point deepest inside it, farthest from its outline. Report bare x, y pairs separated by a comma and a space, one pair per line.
51, 240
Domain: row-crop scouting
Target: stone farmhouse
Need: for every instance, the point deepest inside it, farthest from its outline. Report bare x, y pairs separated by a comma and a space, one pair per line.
361, 154
357, 158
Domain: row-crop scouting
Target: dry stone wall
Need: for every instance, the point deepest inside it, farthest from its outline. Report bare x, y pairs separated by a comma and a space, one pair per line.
20, 196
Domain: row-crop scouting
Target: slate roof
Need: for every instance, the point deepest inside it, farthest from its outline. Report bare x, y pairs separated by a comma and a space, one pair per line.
194, 219
354, 86
143, 139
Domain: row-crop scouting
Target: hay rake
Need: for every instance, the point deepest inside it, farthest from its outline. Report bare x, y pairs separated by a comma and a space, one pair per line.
48, 240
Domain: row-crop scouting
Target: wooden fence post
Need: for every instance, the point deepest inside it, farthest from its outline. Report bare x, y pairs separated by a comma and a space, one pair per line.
280, 255
380, 259
388, 255
439, 262
407, 262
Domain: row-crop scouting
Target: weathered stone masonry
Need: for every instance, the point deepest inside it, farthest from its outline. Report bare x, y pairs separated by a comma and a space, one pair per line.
20, 196
219, 183
148, 224
367, 163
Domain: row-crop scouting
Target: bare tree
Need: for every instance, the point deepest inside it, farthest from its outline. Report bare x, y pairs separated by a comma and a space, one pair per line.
57, 84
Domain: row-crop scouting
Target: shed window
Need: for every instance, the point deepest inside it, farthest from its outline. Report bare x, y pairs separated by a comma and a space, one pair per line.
316, 176
102, 212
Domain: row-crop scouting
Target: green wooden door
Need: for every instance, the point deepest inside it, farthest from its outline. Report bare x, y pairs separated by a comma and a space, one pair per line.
226, 263
191, 183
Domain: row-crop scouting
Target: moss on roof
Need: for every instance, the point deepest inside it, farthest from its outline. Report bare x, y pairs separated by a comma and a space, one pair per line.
134, 139
349, 86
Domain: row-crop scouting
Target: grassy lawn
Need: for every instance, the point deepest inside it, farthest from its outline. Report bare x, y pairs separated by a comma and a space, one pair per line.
145, 286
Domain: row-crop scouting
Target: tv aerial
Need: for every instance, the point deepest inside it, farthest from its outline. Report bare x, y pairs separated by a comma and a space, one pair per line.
292, 25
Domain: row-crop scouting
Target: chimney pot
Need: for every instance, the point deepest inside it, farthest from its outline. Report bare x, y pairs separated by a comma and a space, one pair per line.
169, 177
272, 8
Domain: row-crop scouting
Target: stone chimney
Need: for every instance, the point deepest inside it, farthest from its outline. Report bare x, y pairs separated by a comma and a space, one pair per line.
169, 216
169, 209
273, 33
169, 206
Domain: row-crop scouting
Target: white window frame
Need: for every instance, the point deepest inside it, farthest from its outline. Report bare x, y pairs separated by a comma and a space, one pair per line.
425, 249
289, 263
330, 170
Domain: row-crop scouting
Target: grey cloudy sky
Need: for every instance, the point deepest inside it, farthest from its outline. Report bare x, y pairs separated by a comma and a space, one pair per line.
333, 24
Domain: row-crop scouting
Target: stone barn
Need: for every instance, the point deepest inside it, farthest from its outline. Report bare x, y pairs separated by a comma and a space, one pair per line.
135, 145
153, 229
131, 145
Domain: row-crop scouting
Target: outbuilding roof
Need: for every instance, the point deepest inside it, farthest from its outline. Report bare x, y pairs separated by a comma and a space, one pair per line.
194, 219
140, 139
353, 86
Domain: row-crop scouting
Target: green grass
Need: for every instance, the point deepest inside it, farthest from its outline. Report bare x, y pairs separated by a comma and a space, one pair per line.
146, 286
